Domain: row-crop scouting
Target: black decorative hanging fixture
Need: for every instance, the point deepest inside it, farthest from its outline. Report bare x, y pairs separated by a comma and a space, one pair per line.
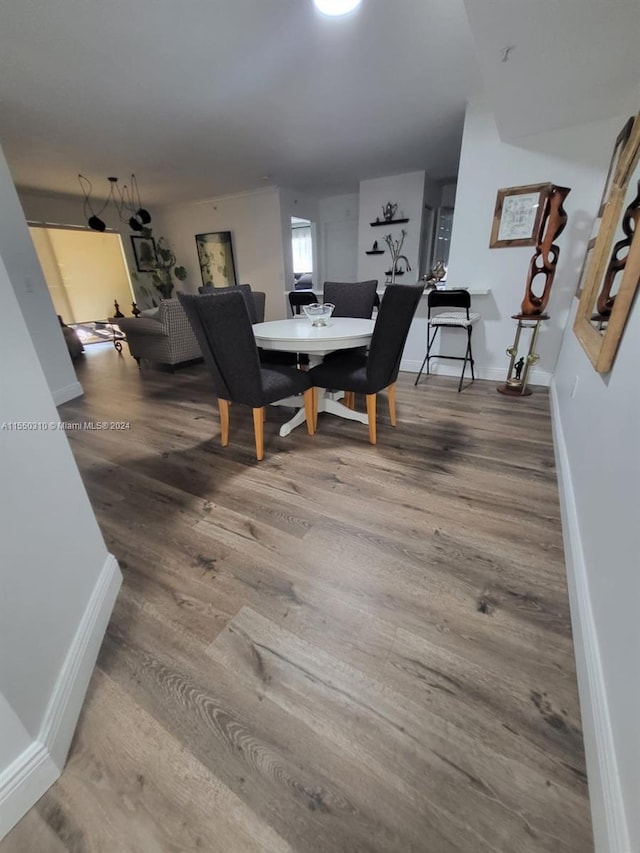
126, 200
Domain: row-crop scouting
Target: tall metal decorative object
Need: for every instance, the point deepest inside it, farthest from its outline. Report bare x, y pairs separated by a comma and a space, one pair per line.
518, 375
543, 265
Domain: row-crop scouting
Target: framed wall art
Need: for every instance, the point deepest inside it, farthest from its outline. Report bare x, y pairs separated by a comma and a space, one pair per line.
612, 271
215, 254
144, 251
517, 215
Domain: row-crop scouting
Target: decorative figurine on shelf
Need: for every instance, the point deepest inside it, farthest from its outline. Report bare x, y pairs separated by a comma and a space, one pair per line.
117, 313
135, 310
389, 211
439, 271
518, 368
545, 259
436, 275
374, 248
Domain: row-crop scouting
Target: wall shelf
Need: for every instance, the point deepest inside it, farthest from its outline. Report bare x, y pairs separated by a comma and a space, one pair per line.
375, 252
388, 222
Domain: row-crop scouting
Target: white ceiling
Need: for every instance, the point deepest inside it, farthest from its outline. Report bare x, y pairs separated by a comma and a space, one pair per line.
205, 97
572, 61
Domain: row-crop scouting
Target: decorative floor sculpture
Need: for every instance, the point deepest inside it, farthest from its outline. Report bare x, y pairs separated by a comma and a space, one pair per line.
543, 265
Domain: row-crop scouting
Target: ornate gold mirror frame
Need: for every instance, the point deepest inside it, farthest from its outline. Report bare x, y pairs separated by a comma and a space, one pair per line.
613, 271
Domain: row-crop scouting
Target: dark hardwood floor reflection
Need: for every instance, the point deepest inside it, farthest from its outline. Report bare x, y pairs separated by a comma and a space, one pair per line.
342, 648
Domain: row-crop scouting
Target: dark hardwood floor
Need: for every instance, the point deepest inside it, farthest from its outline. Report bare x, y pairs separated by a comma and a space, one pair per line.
341, 649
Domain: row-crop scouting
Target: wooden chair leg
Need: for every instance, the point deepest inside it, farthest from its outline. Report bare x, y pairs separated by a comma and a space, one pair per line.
350, 399
310, 410
315, 409
258, 429
371, 414
223, 408
391, 391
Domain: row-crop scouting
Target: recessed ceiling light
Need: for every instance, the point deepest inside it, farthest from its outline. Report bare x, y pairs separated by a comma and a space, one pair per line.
336, 7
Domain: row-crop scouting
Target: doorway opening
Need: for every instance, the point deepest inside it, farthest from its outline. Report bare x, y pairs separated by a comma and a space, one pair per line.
302, 251
87, 277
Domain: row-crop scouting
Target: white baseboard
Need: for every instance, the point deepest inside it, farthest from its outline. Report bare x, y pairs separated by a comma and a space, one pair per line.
605, 793
23, 783
69, 392
60, 718
28, 777
495, 374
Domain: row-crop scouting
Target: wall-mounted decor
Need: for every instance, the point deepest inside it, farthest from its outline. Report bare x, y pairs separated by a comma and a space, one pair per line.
613, 271
517, 216
144, 251
374, 250
389, 211
215, 253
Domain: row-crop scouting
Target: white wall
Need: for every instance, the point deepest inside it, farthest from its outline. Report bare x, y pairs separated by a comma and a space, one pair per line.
599, 459
31, 290
55, 209
254, 220
576, 157
407, 191
337, 232
58, 581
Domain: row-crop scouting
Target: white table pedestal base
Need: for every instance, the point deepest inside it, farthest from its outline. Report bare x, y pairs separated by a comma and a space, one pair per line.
328, 401
298, 335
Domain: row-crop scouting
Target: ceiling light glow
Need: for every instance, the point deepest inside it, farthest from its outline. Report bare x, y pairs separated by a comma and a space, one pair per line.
336, 7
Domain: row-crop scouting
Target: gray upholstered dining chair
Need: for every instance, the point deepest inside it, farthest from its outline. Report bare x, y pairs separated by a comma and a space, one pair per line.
222, 325
299, 298
255, 299
351, 298
370, 373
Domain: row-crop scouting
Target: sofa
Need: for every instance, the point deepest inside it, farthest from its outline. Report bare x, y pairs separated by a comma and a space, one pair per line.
163, 335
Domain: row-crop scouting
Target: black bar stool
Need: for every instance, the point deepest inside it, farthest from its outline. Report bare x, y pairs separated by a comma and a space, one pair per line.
452, 320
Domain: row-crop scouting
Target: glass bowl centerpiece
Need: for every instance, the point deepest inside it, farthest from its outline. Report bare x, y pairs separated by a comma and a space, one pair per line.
319, 314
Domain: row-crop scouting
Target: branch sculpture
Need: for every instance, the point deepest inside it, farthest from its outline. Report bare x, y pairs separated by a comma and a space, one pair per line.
395, 247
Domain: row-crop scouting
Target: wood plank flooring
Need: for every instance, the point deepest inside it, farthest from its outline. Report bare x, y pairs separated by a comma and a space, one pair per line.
341, 649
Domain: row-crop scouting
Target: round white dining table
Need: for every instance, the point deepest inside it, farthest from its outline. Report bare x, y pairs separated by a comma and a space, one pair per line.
298, 335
